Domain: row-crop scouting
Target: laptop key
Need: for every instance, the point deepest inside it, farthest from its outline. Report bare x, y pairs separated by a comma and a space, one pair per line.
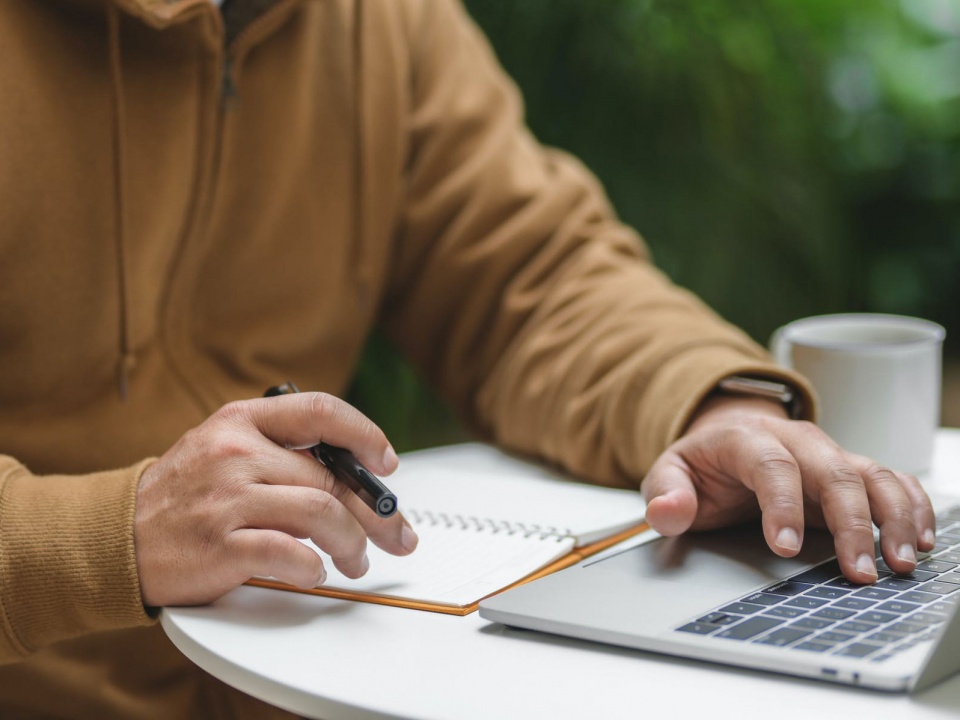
874, 593
787, 588
812, 623
858, 650
784, 612
897, 583
833, 637
950, 578
855, 627
926, 617
950, 556
940, 606
937, 566
820, 573
827, 592
884, 637
915, 575
808, 603
875, 616
842, 582
851, 603
741, 608
915, 596
698, 628
783, 636
813, 646
761, 599
749, 628
905, 628
833, 613
719, 618
897, 606
939, 588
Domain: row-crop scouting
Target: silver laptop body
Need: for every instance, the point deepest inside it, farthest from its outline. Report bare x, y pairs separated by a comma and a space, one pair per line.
697, 596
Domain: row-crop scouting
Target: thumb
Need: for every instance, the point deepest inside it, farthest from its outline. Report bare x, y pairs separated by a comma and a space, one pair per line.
671, 498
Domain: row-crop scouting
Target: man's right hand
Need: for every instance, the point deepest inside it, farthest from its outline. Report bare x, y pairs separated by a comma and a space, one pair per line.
229, 499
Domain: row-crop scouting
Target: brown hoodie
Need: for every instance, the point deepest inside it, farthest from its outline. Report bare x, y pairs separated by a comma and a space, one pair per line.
182, 225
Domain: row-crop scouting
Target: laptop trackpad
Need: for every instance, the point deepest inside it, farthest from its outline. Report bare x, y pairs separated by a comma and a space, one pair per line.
714, 567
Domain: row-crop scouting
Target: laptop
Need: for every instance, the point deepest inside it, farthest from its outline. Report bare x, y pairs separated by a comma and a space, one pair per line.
724, 597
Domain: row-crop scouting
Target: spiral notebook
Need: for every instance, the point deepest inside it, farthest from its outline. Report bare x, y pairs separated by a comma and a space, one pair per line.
486, 522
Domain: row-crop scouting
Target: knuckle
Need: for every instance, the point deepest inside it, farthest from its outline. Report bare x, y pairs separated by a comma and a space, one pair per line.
735, 436
323, 505
232, 411
843, 478
877, 473
856, 527
225, 442
777, 462
323, 406
272, 549
785, 505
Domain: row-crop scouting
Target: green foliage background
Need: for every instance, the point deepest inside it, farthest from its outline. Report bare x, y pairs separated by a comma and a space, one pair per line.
781, 158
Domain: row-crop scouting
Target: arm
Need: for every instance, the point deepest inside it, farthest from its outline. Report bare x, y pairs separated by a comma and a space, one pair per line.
516, 288
543, 320
84, 554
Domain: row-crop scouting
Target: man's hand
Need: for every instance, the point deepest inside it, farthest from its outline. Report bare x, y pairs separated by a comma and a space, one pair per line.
740, 457
227, 501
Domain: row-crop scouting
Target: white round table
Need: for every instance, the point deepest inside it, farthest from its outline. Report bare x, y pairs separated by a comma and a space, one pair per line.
326, 658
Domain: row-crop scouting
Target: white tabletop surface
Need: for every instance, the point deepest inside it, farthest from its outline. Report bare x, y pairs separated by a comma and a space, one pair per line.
331, 659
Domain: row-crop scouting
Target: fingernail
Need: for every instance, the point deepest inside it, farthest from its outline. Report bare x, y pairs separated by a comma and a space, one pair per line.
364, 565
788, 539
323, 576
906, 553
866, 566
390, 459
929, 538
408, 538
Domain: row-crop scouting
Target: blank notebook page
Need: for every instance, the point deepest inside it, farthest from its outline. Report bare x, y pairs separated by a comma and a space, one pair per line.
482, 531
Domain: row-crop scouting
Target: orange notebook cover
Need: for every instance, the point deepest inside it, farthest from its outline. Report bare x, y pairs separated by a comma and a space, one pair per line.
568, 560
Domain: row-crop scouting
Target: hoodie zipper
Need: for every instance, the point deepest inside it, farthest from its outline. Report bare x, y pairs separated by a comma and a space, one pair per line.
228, 88
228, 95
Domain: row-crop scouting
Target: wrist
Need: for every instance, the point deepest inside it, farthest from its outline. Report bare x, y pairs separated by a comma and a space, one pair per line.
738, 395
750, 387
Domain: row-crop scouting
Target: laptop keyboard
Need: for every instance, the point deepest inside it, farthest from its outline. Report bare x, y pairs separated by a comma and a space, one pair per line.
820, 611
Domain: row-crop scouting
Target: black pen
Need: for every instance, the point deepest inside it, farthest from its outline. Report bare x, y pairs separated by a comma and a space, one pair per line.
347, 469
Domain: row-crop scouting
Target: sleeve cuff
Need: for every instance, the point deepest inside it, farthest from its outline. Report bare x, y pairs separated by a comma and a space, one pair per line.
682, 383
67, 560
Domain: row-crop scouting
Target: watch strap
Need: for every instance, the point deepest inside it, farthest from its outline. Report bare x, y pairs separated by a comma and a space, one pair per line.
742, 386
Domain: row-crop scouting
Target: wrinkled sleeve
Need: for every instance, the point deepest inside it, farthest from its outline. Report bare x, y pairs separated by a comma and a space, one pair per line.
67, 562
518, 292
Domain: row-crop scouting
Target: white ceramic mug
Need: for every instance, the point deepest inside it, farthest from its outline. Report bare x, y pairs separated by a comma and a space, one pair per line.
877, 379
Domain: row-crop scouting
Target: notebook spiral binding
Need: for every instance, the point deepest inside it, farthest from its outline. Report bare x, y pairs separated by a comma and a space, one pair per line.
466, 522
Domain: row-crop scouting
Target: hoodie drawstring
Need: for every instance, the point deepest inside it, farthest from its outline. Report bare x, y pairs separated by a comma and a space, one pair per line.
361, 260
126, 359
